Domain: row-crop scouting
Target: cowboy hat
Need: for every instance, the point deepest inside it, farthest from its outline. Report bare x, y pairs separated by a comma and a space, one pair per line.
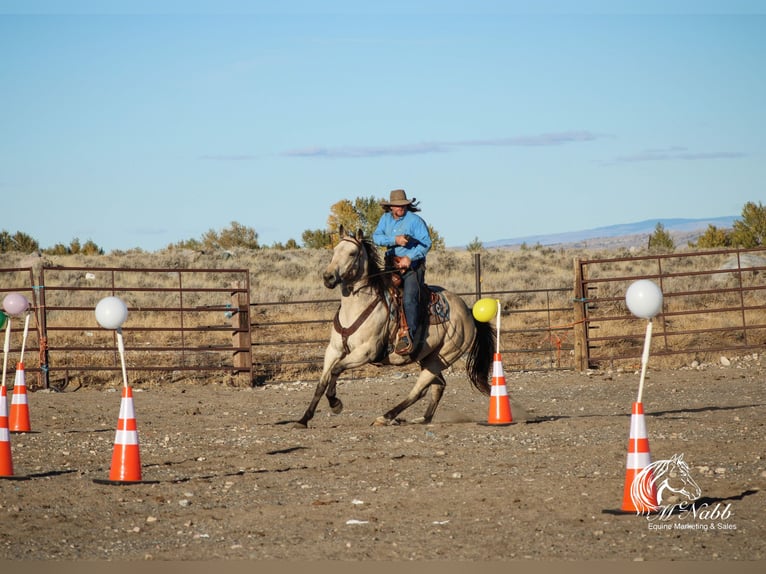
398, 198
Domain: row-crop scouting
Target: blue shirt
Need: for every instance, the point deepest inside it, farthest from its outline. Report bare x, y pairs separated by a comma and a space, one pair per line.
410, 224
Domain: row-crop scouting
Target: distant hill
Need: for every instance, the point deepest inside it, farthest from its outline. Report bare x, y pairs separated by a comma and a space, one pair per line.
620, 235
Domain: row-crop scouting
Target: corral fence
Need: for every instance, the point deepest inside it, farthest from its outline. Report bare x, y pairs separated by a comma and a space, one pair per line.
177, 323
714, 303
203, 322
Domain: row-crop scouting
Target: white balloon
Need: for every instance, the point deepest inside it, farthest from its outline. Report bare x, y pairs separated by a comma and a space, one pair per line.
111, 312
644, 298
15, 303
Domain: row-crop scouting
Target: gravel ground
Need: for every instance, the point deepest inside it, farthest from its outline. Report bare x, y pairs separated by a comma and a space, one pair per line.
224, 480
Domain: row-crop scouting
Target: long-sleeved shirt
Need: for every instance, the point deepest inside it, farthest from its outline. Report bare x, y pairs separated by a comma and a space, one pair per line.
410, 224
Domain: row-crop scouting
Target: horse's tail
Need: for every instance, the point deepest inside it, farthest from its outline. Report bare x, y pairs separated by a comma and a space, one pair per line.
480, 356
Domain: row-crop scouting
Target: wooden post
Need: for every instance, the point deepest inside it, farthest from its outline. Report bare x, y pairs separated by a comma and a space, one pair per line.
241, 337
582, 356
477, 273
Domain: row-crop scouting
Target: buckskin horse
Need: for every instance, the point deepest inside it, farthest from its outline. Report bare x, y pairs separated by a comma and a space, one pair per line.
366, 324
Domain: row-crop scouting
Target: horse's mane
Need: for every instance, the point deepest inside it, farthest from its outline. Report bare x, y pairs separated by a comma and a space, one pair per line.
377, 278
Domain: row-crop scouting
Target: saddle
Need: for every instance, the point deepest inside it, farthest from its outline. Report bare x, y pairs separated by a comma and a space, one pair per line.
432, 306
434, 310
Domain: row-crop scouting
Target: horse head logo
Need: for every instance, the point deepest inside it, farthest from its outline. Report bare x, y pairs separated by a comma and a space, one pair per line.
664, 482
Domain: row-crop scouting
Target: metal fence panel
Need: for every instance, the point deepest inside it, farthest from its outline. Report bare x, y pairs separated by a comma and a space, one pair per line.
713, 302
179, 320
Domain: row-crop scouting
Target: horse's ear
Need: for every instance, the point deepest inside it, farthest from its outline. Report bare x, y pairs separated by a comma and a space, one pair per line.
359, 235
341, 231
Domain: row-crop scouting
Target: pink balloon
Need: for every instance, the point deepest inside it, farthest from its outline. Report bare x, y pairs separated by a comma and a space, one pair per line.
15, 303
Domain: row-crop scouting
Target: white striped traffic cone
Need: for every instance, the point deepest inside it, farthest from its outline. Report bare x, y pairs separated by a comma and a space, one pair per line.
6, 459
126, 458
499, 403
639, 457
19, 416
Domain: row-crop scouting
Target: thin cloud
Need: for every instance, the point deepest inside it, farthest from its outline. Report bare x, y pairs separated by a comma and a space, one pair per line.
544, 140
229, 157
676, 154
367, 151
539, 140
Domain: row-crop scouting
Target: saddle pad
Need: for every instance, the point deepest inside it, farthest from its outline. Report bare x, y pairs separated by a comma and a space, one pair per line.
438, 308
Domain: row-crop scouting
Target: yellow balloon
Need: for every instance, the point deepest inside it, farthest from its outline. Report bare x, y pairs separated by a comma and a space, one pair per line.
484, 310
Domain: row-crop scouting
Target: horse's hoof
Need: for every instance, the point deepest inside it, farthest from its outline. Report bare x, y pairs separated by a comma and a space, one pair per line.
299, 425
336, 407
420, 421
382, 421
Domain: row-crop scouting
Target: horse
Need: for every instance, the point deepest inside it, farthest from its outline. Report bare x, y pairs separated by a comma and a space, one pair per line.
366, 324
671, 478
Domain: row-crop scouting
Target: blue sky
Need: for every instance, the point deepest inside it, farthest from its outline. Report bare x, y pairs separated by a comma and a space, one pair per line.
141, 124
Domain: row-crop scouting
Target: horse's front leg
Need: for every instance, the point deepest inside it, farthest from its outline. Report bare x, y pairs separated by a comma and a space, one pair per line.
334, 364
356, 358
335, 403
326, 381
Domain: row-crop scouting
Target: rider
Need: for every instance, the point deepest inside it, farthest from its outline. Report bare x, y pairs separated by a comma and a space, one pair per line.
406, 237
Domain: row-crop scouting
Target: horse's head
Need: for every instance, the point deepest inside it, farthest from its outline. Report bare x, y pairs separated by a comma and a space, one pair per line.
348, 263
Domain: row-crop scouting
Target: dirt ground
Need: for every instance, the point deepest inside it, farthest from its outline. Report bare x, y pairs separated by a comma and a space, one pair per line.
223, 480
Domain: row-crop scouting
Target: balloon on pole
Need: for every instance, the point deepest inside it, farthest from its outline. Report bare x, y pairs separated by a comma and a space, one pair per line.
111, 313
6, 348
15, 304
644, 299
484, 310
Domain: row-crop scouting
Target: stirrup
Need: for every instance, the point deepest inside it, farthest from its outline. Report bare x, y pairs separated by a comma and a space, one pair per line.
403, 345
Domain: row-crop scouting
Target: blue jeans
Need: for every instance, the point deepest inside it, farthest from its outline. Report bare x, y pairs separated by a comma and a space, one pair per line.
413, 285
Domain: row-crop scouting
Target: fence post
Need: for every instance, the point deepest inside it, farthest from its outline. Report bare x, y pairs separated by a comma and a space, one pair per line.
582, 356
477, 273
240, 323
42, 322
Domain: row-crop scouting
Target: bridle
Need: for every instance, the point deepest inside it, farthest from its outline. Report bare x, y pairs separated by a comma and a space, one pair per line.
356, 264
358, 256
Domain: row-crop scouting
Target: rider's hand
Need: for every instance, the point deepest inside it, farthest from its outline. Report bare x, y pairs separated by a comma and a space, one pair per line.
403, 262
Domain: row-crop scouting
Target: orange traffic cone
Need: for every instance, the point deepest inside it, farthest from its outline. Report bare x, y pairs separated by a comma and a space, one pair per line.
6, 460
19, 417
640, 492
499, 404
126, 459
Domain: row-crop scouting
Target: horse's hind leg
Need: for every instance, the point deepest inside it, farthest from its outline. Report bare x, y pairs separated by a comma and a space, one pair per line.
420, 388
437, 390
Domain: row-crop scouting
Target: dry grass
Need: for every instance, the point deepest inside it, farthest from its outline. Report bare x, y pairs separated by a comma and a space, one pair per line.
292, 275
518, 278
